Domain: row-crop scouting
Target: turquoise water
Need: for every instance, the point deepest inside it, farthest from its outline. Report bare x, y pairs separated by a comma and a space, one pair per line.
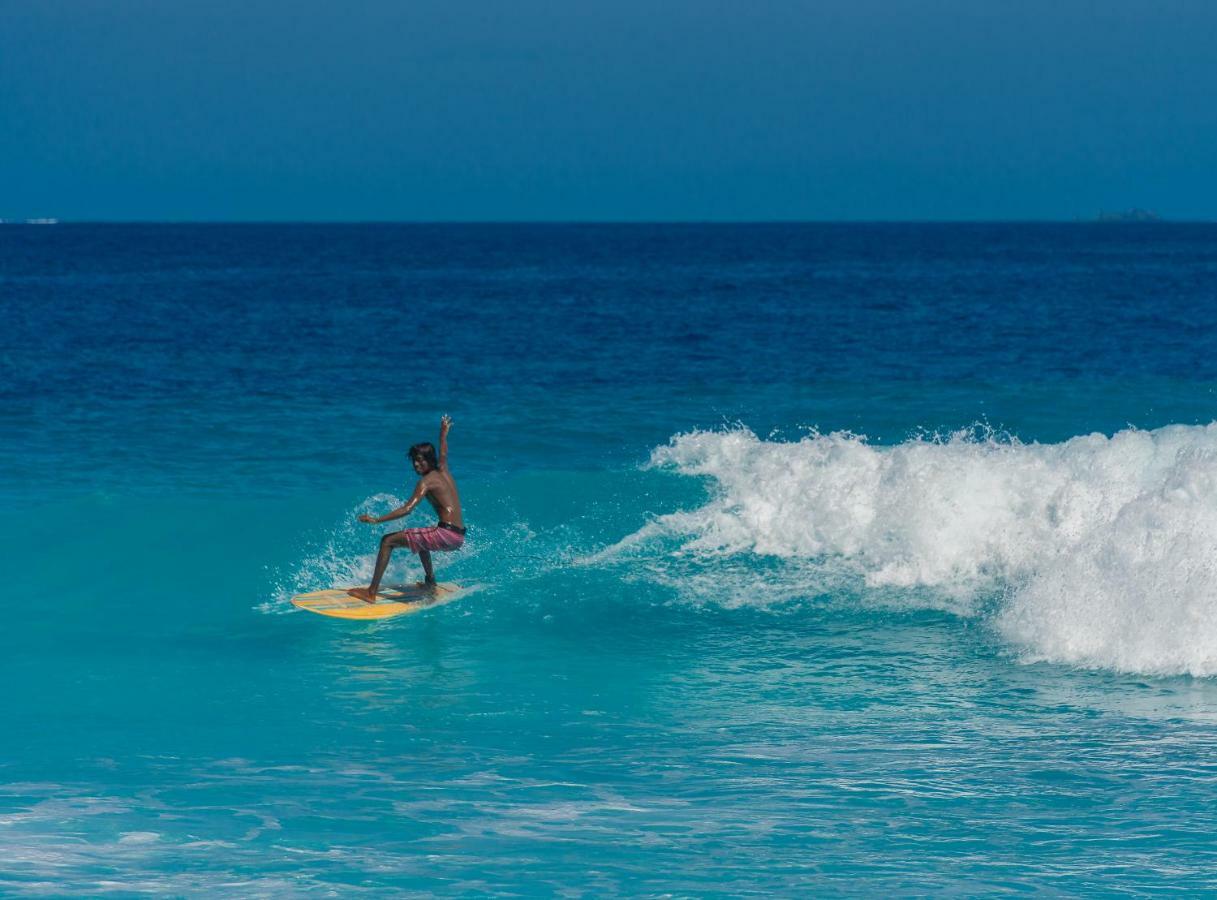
803, 559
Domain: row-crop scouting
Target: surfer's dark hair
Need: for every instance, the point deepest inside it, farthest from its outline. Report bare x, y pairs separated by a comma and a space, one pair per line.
424, 451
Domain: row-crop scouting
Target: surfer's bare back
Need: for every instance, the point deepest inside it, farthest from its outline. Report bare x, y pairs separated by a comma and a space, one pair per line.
436, 485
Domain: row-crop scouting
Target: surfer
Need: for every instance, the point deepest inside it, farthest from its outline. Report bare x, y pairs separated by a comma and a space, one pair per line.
436, 485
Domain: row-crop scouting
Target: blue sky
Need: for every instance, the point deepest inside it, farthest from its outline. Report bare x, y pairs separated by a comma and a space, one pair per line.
822, 109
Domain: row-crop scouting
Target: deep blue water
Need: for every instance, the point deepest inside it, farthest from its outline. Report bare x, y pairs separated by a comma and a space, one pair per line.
806, 558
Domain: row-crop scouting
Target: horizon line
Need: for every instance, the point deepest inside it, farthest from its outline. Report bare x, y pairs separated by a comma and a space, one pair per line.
44, 221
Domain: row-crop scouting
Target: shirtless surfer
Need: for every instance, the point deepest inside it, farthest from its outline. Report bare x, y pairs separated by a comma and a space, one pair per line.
436, 485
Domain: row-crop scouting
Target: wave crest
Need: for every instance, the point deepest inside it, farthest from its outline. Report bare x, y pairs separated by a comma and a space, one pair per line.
1103, 550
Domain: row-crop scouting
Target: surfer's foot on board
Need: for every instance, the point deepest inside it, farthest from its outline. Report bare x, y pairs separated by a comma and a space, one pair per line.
364, 594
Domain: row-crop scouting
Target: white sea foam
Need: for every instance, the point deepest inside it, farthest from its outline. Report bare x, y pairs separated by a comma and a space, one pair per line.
1099, 551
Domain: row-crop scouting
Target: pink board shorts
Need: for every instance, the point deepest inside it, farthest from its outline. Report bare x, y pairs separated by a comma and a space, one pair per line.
436, 539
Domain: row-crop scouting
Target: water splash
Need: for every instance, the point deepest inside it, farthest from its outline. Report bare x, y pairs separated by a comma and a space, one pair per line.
1099, 551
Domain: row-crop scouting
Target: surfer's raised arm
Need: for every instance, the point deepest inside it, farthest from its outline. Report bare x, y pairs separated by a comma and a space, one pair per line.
445, 423
420, 491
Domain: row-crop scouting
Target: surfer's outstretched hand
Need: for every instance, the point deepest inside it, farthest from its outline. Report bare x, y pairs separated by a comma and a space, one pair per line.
370, 520
445, 422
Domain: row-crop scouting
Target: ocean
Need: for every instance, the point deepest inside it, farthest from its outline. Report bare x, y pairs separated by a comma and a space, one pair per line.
854, 559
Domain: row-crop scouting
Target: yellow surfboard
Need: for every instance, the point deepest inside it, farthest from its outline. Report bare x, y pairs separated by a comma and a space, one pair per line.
392, 600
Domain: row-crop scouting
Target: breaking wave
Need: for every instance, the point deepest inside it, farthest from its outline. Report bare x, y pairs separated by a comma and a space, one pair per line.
1098, 551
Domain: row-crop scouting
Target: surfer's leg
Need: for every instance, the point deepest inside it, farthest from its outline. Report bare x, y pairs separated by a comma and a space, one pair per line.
387, 543
424, 556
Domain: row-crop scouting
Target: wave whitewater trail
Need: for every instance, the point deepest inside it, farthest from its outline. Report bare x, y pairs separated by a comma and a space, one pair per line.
1098, 551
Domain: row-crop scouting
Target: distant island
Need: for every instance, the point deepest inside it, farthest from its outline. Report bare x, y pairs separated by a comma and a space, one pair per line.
1130, 215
